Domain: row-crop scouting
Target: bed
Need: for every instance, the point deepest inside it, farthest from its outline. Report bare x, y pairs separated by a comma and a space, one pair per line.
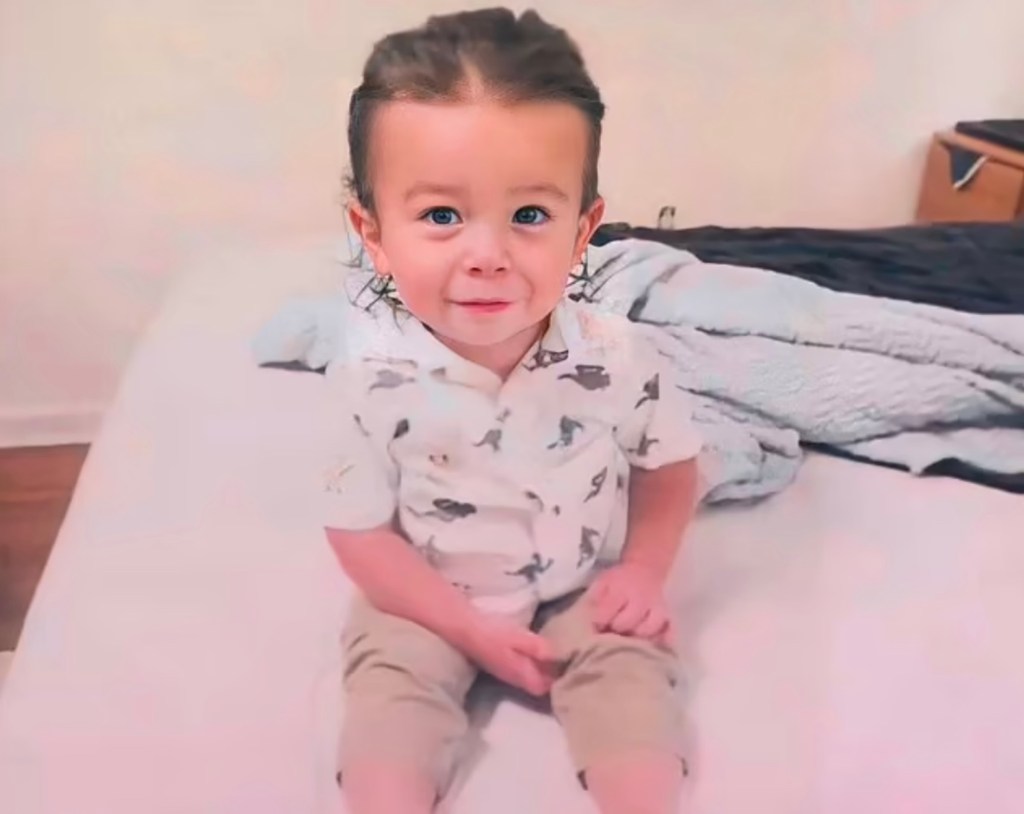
851, 645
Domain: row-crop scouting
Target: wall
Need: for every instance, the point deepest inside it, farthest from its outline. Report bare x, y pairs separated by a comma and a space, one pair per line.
133, 131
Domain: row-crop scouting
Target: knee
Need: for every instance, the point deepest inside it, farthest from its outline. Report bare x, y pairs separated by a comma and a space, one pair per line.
405, 660
617, 659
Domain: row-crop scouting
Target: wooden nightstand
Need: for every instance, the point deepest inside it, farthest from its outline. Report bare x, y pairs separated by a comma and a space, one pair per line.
995, 193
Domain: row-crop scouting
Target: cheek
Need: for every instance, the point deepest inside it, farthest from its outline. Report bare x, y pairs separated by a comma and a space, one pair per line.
421, 293
543, 278
419, 270
548, 264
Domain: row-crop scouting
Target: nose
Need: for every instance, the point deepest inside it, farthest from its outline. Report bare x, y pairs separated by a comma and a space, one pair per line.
486, 252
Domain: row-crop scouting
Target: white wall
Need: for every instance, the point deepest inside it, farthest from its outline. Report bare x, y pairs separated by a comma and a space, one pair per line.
131, 132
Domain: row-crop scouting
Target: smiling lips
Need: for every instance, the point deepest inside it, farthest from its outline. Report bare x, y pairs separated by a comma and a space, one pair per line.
483, 306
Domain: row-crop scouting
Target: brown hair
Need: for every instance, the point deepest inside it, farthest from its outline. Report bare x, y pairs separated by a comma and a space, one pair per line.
518, 59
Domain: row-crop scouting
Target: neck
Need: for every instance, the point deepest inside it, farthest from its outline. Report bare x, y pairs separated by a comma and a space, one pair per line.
500, 358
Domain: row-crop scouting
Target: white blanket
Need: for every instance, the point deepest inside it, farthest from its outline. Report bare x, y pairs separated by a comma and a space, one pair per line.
772, 361
852, 645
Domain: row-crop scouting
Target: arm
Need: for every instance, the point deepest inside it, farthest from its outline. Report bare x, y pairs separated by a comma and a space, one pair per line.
628, 598
359, 508
397, 580
661, 504
661, 445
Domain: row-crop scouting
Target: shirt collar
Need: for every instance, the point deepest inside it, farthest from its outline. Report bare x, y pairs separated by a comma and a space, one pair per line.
382, 328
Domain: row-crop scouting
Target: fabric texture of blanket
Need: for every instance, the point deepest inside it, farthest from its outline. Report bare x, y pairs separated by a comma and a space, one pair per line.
973, 267
773, 362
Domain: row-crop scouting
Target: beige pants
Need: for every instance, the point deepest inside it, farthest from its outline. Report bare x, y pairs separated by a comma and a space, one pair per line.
406, 689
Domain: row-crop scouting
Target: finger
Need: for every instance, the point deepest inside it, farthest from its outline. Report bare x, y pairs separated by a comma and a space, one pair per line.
653, 625
534, 646
532, 679
597, 591
627, 619
607, 609
667, 637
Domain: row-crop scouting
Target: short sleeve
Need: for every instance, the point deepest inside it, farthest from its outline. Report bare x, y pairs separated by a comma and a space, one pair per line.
360, 477
658, 426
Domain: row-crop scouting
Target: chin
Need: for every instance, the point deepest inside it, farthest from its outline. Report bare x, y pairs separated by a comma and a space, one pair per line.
499, 336
484, 337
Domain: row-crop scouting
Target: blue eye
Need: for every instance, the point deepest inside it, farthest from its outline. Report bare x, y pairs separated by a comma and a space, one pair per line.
441, 216
530, 216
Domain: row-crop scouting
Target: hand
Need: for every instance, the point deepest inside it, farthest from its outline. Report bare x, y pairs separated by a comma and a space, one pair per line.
628, 599
512, 653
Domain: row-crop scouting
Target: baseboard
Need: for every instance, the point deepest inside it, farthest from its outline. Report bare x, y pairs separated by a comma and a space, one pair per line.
76, 424
6, 657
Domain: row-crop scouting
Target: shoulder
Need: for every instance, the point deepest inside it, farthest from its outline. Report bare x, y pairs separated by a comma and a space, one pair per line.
617, 339
593, 326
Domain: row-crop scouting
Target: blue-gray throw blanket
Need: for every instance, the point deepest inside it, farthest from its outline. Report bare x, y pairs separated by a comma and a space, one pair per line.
773, 361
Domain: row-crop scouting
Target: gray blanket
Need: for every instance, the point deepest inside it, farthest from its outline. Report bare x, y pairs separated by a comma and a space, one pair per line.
772, 361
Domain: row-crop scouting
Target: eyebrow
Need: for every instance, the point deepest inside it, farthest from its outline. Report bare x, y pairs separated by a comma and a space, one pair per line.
543, 189
428, 188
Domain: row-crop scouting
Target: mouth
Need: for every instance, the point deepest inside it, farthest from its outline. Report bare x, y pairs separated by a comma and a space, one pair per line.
482, 306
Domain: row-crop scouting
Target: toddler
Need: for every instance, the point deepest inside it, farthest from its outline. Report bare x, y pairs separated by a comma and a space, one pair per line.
517, 468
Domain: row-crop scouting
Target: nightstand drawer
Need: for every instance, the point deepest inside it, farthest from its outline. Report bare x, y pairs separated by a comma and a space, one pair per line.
995, 193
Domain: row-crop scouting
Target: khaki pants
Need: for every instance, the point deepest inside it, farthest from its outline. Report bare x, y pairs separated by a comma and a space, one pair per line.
406, 688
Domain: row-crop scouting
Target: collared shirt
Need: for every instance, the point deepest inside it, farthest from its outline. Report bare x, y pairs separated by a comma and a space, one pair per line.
514, 489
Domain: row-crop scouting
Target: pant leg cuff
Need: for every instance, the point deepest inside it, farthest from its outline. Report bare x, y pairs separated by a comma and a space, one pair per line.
581, 775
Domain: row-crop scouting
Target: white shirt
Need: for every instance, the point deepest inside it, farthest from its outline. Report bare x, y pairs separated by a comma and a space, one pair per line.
513, 490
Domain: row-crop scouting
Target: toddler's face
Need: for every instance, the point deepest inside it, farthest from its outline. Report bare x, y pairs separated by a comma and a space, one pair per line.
478, 213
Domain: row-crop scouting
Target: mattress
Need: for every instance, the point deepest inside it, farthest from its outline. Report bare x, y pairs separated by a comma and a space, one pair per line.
851, 645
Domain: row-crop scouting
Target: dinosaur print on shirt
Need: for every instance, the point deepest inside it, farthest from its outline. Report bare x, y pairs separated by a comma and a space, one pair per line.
545, 358
567, 429
652, 391
596, 483
589, 377
588, 545
492, 439
533, 569
447, 510
535, 500
389, 380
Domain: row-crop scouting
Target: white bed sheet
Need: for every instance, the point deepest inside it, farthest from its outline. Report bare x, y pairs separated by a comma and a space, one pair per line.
853, 644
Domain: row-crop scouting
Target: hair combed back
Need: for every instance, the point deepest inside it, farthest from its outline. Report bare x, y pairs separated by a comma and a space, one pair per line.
516, 59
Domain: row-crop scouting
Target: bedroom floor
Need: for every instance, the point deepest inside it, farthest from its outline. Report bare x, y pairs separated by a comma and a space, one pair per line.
36, 484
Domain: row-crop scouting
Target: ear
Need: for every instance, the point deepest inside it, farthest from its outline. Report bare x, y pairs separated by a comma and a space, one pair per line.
589, 221
368, 228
